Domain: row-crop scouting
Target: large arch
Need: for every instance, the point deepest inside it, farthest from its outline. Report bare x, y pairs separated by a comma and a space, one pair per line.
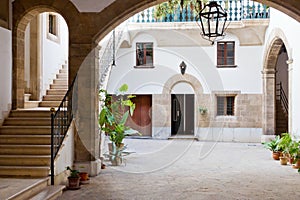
94, 26
274, 45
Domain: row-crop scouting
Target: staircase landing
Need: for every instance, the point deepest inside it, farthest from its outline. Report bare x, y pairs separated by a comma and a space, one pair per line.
13, 189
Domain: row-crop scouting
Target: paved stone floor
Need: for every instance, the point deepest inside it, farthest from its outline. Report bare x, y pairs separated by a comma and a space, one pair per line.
164, 169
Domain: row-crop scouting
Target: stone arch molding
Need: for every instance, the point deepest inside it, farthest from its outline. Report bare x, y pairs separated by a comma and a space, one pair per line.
186, 78
276, 39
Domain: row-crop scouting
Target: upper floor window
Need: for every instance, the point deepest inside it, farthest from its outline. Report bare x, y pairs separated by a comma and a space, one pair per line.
225, 105
226, 54
52, 20
144, 54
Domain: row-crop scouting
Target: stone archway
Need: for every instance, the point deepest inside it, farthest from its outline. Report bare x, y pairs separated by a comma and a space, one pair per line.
274, 46
187, 78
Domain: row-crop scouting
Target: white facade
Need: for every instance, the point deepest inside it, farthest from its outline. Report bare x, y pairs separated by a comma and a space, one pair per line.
6, 72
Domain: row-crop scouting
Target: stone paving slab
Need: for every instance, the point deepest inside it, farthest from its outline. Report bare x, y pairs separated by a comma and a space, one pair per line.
164, 169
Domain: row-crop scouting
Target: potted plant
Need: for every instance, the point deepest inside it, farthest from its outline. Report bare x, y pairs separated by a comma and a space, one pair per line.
284, 144
273, 147
202, 110
112, 120
73, 179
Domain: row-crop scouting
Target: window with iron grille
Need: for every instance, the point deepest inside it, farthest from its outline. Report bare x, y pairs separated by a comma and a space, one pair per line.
225, 105
144, 54
226, 54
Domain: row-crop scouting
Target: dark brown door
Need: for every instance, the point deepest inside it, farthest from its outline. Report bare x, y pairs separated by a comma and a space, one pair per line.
141, 119
182, 108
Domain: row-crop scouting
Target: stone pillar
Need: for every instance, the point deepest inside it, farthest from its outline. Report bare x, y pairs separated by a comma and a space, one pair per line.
87, 139
34, 59
269, 99
290, 97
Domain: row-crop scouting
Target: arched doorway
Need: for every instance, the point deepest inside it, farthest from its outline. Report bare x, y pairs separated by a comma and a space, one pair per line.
276, 86
182, 109
45, 60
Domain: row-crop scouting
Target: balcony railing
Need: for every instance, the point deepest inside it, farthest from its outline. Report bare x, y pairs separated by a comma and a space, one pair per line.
236, 10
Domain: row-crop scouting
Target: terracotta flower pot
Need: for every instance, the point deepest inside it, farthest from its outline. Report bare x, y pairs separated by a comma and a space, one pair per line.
84, 176
275, 155
283, 160
73, 183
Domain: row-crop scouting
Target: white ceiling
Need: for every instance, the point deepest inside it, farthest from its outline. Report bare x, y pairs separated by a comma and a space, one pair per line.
91, 5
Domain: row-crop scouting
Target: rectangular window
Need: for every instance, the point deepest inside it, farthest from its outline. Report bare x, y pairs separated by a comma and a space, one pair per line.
52, 24
226, 54
225, 105
144, 54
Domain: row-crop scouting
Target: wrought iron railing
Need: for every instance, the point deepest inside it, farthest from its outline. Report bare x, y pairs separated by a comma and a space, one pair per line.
60, 123
236, 10
106, 55
282, 97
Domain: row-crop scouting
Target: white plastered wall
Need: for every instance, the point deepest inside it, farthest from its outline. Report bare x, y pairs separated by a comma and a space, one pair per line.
6, 72
54, 53
201, 63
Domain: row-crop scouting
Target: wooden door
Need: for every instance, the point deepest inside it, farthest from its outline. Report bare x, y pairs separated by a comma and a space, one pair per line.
141, 119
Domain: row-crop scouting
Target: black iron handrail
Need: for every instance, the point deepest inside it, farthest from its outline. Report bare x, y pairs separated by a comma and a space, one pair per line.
60, 122
282, 97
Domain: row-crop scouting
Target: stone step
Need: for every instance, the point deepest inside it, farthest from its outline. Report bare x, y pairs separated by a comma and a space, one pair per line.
57, 92
62, 76
60, 82
25, 149
24, 171
53, 98
25, 160
27, 121
30, 113
25, 139
25, 130
51, 192
55, 86
63, 71
50, 104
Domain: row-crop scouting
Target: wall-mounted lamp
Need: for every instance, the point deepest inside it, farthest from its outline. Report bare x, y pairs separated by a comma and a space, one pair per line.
182, 67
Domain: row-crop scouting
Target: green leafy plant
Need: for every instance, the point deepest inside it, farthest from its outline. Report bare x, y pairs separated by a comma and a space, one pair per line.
284, 143
73, 173
162, 10
273, 144
202, 110
115, 113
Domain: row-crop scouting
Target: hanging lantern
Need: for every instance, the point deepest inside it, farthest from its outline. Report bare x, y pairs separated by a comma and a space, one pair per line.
212, 21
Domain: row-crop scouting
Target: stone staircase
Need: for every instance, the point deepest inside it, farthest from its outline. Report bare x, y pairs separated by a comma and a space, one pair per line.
281, 119
25, 137
57, 90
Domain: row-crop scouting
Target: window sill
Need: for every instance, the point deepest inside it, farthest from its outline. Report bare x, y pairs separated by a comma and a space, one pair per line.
226, 66
144, 67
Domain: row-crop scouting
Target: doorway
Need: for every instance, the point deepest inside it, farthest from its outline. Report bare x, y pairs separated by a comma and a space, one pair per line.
182, 113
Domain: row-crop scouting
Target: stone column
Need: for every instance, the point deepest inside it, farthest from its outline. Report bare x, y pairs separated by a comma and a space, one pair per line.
86, 108
290, 97
269, 99
34, 59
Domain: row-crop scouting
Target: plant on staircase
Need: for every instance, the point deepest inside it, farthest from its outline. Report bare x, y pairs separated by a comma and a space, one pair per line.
113, 116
